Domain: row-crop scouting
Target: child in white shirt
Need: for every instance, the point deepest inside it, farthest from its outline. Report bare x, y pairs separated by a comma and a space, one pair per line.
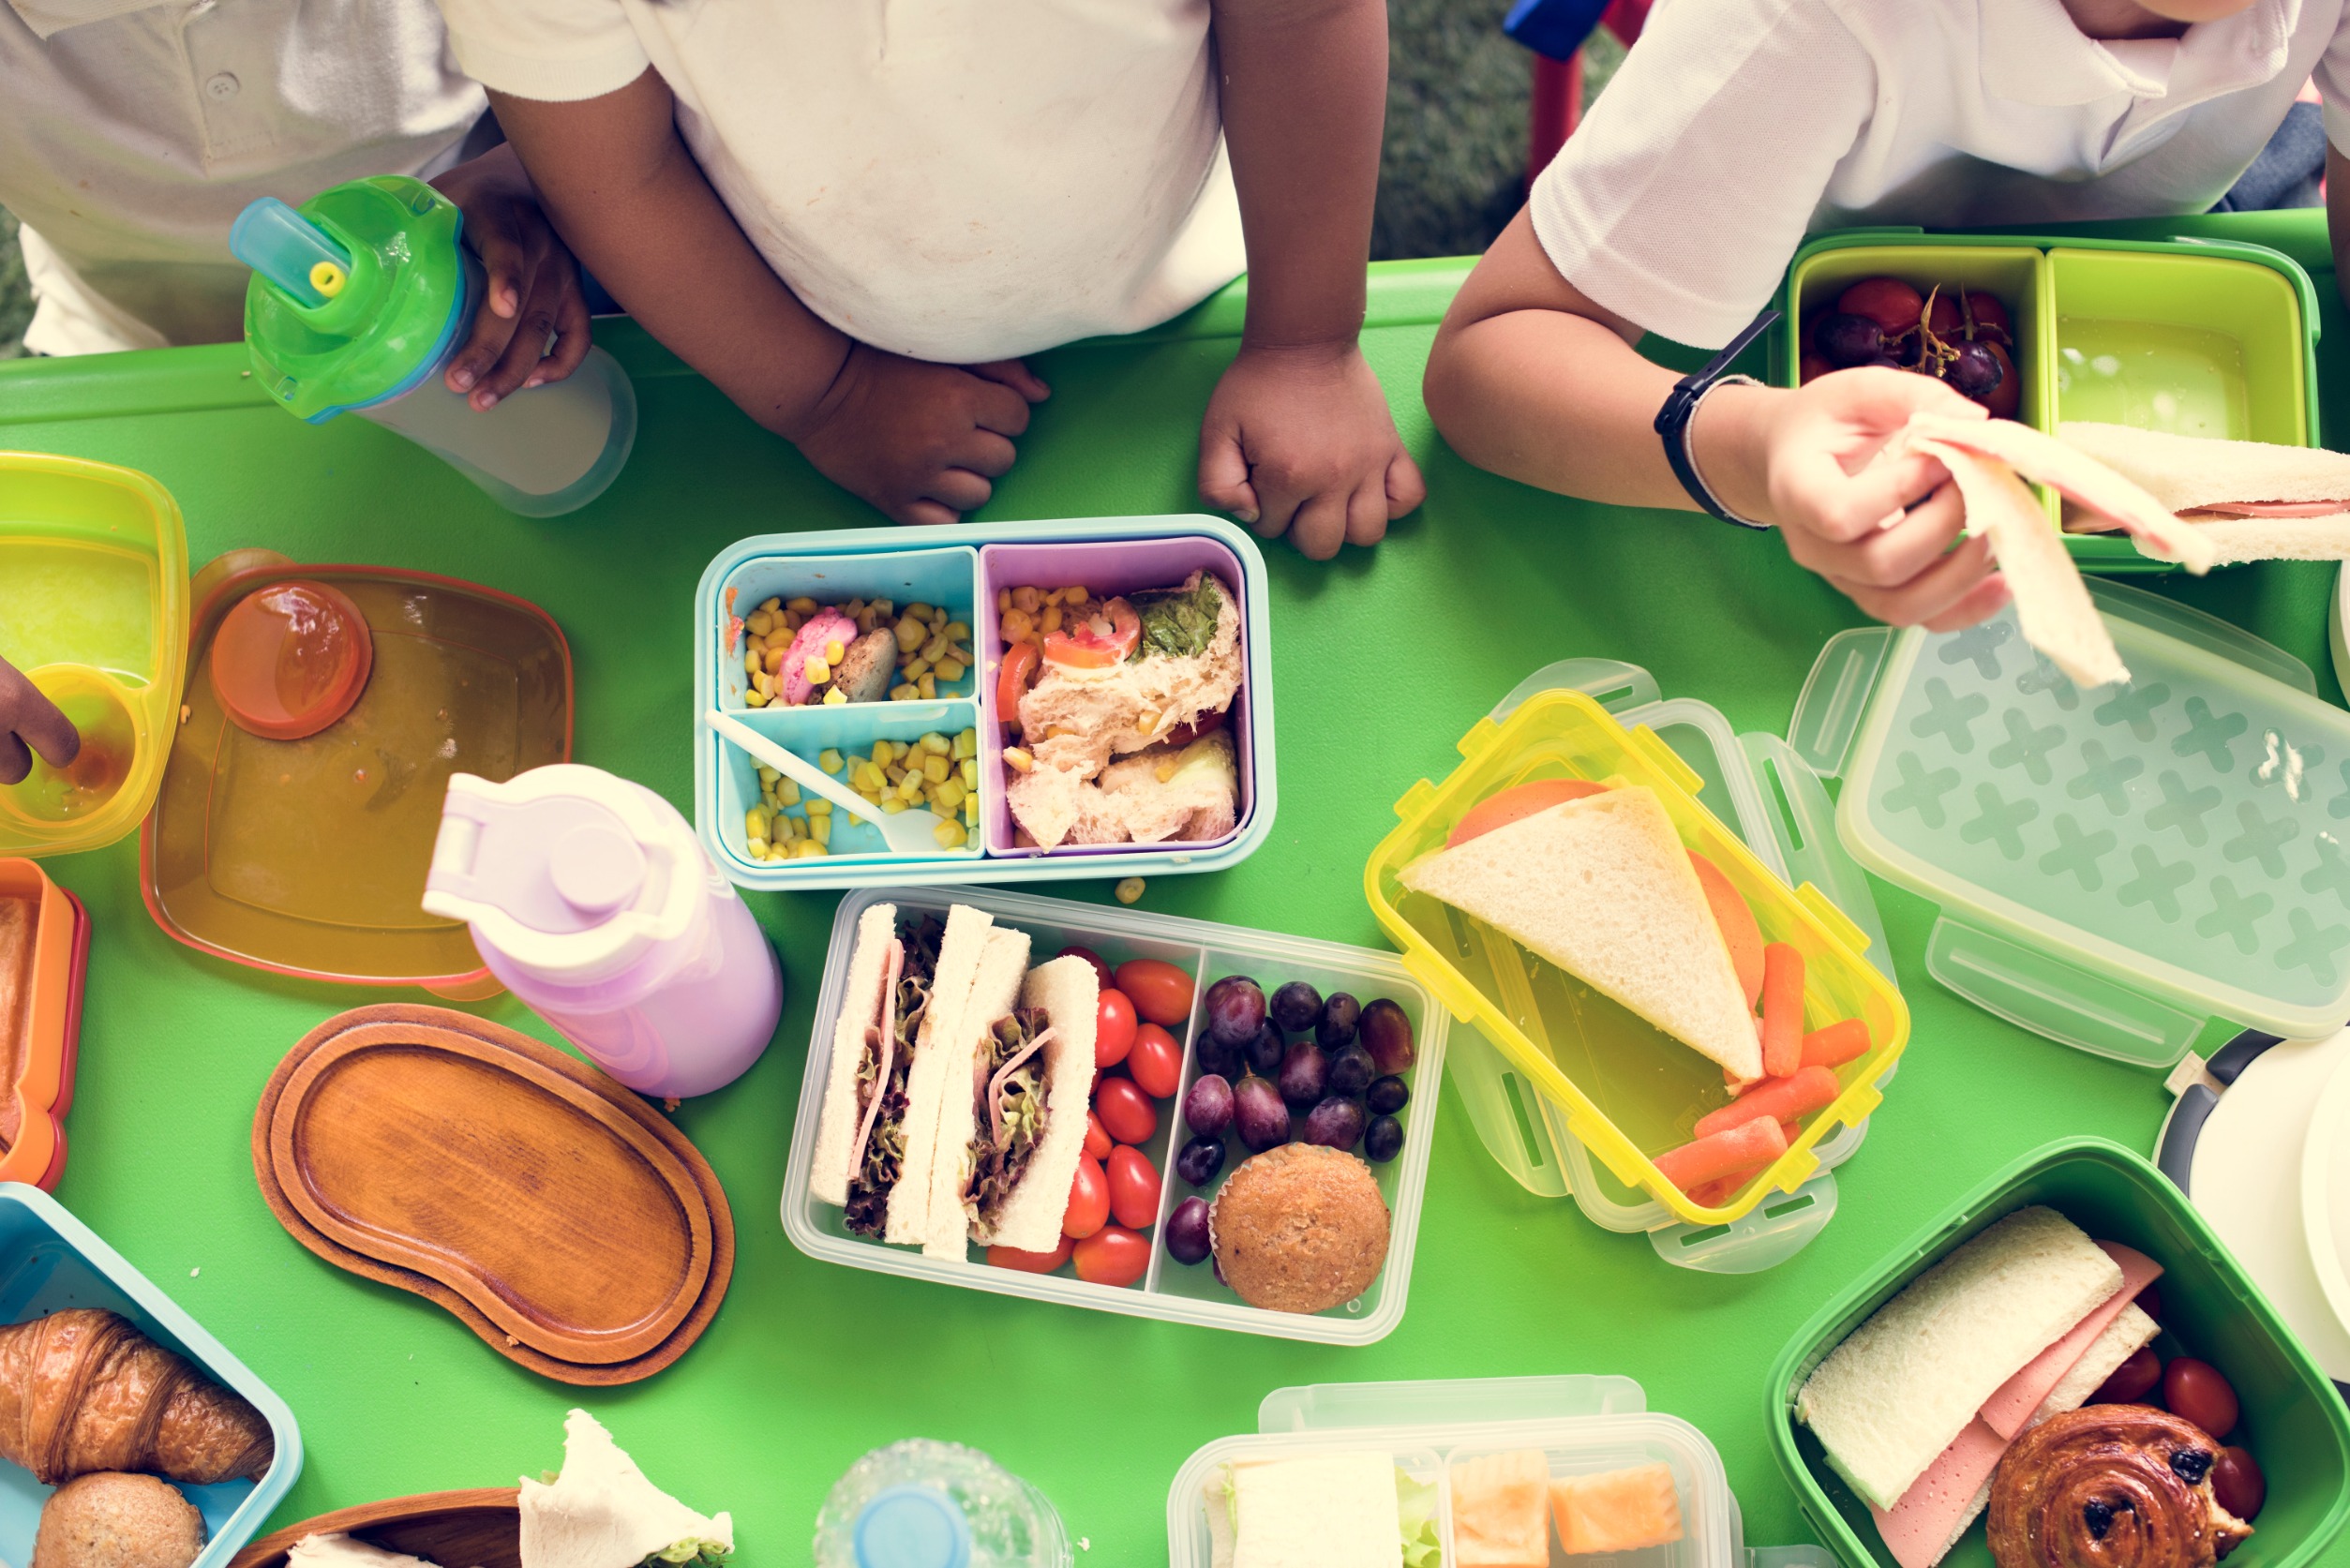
856, 216
1735, 128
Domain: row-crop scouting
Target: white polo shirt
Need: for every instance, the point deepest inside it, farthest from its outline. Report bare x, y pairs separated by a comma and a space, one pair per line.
1736, 126
957, 180
132, 133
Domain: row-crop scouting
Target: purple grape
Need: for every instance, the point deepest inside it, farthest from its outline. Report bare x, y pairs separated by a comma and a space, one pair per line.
1235, 1010
1848, 340
1297, 1006
1383, 1139
1187, 1231
1226, 1062
1305, 1074
1975, 373
1258, 1115
1200, 1161
1337, 1122
1386, 1096
1208, 1107
1351, 1070
1338, 1015
1265, 1052
1387, 1034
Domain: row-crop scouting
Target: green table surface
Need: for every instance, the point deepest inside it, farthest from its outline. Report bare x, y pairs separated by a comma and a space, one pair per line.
1384, 658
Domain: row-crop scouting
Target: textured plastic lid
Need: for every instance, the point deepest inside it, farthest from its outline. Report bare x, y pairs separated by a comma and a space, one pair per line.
572, 874
290, 659
2326, 1193
912, 1527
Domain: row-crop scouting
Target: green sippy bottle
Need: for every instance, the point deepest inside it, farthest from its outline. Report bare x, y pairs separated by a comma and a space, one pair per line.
357, 302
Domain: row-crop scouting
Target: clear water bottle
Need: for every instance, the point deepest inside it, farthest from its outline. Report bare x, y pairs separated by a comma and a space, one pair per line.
926, 1505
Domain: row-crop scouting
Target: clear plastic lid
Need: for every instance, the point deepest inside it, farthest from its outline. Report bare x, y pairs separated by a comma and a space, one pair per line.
290, 659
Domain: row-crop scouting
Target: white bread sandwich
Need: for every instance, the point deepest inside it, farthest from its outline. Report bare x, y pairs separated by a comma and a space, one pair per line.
926, 1084
602, 1512
2074, 475
876, 969
1030, 1131
1904, 1384
1602, 888
1317, 1510
2252, 499
994, 991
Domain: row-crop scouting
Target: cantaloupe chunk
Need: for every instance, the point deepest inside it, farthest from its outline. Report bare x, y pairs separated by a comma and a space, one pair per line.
1497, 1511
1504, 807
1617, 1511
1736, 917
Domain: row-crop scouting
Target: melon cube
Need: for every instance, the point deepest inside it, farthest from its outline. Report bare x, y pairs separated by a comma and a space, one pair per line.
1497, 1511
1617, 1511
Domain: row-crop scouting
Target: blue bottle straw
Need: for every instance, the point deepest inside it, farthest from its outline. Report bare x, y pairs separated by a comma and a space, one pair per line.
291, 252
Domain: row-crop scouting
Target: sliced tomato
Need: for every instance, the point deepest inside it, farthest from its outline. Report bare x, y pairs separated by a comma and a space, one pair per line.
1011, 680
1084, 648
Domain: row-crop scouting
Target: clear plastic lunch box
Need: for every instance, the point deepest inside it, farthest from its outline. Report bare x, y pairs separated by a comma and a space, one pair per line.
2199, 337
1770, 799
50, 1260
1583, 1424
2115, 867
961, 568
1171, 1291
1622, 1090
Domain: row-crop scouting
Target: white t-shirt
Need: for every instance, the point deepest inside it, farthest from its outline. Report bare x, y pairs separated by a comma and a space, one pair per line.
1736, 126
132, 133
957, 180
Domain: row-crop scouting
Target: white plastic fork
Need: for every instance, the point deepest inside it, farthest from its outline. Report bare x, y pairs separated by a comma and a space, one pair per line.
907, 832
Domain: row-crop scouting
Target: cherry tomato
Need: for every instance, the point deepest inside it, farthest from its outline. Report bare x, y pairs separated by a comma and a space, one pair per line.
2132, 1380
1156, 1062
1113, 1255
1888, 302
1943, 316
2194, 1391
1113, 1029
1081, 646
1088, 1199
1126, 1112
1011, 680
1160, 992
1030, 1262
1097, 1141
1989, 314
1812, 367
1133, 1188
1102, 970
2238, 1484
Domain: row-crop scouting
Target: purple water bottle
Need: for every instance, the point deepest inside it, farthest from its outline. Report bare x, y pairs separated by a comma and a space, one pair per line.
590, 897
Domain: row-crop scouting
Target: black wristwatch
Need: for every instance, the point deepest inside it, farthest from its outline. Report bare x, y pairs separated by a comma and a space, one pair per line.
1672, 419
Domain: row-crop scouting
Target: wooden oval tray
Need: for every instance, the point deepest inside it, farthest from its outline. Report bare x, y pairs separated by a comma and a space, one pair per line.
476, 1528
554, 1213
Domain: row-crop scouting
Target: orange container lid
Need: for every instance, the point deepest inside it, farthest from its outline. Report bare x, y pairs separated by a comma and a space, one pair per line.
290, 659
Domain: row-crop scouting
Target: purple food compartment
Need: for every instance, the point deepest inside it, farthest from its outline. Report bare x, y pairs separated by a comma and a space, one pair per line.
1104, 568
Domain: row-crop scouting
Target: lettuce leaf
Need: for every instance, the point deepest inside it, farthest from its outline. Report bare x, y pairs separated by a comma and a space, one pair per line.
690, 1554
1416, 1505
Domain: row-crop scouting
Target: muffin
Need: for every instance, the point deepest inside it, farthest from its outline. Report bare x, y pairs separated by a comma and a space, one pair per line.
1299, 1229
111, 1521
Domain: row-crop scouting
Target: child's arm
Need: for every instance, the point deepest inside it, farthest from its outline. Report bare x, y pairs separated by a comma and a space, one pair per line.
2338, 216
919, 441
1297, 434
1530, 378
28, 718
533, 285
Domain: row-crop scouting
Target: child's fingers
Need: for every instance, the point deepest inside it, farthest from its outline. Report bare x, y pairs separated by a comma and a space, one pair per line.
521, 356
925, 514
1367, 514
1887, 558
40, 722
15, 761
1319, 527
572, 334
1014, 374
1224, 475
998, 407
1846, 507
986, 452
1406, 487
1987, 599
491, 231
1928, 594
958, 488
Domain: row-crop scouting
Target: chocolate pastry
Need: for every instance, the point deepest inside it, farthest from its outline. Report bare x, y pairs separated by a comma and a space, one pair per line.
2110, 1486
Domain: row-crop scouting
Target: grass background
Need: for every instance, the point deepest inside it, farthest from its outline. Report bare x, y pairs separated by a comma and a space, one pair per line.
1450, 172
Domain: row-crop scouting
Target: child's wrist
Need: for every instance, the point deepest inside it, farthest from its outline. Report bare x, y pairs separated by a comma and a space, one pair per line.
1730, 442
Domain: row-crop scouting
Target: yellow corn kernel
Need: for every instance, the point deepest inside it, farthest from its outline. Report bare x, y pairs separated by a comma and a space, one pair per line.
773, 660
1003, 600
1129, 890
919, 611
755, 823
904, 693
834, 651
886, 608
950, 835
936, 768
916, 667
1018, 760
936, 744
767, 775
787, 792
854, 608
928, 685
757, 849
910, 789
815, 671
835, 697
1054, 595
1057, 731
866, 621
760, 623
1018, 627
1146, 721
767, 799
803, 605
909, 634
961, 654
1050, 621
933, 647
891, 806
1027, 599
754, 698
791, 623
820, 830
1075, 596
793, 828
970, 772
829, 759
1165, 770
770, 605
807, 849
819, 806
949, 794
764, 683
957, 630
971, 809
750, 664
949, 671
868, 776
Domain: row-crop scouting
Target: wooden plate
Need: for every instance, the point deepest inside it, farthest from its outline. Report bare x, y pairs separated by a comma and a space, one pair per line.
477, 1529
557, 1215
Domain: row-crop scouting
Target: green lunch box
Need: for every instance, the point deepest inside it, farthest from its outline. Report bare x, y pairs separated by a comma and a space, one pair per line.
2294, 1422
2198, 337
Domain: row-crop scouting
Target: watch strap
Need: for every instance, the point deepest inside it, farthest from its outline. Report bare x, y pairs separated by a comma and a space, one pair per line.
1680, 410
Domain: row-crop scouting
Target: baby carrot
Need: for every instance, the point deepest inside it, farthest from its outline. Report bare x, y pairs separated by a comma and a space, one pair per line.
1782, 1010
1836, 1045
1780, 1099
1748, 1143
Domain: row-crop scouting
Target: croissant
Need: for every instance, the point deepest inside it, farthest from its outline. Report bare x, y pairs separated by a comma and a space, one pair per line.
83, 1390
2110, 1486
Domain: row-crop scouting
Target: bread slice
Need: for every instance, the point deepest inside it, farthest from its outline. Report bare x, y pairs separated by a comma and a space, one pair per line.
1904, 1384
1602, 888
995, 990
2071, 473
908, 1224
860, 1009
1319, 1511
1069, 991
2183, 472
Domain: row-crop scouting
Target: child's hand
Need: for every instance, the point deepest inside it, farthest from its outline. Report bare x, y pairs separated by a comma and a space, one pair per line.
534, 284
918, 440
1831, 495
1300, 439
29, 719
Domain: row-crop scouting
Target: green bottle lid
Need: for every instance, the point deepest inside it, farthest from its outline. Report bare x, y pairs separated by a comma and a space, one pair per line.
371, 332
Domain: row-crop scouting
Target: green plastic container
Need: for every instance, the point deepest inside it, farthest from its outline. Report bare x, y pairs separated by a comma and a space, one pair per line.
2202, 338
2294, 1422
